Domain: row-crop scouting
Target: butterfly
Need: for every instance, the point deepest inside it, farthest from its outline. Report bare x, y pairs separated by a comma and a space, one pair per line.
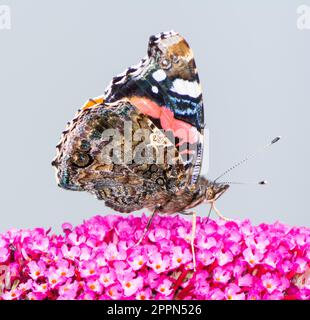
140, 145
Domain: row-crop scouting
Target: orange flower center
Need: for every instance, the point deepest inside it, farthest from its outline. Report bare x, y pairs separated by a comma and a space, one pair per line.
128, 284
158, 266
179, 260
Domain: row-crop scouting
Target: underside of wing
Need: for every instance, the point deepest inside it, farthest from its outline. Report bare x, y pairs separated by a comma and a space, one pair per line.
116, 153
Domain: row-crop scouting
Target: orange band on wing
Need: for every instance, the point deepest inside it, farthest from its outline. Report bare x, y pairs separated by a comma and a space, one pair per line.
92, 102
183, 130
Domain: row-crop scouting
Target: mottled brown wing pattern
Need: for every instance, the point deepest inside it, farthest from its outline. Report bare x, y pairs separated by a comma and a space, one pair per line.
123, 186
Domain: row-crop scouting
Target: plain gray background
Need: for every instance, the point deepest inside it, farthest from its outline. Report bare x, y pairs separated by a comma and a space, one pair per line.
254, 68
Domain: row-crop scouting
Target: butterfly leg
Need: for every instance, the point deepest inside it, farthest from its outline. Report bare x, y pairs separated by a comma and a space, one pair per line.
193, 234
147, 227
219, 213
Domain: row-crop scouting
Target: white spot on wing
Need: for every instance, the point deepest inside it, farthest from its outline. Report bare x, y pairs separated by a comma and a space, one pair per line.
159, 75
185, 87
154, 89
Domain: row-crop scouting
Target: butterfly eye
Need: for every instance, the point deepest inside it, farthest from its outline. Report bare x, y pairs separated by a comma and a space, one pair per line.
210, 194
81, 159
165, 63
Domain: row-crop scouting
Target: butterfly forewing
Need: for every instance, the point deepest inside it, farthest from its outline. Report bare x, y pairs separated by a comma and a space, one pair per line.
165, 86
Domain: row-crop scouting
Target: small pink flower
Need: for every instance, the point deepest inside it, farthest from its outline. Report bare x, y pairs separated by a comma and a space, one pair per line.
232, 292
71, 253
145, 294
64, 270
94, 285
25, 286
271, 259
251, 258
75, 239
137, 261
42, 287
107, 278
206, 258
216, 294
41, 244
88, 269
68, 291
100, 259
224, 257
158, 263
112, 253
164, 287
207, 242
85, 252
114, 292
67, 227
53, 277
158, 234
302, 265
270, 282
180, 256
221, 275
36, 269
13, 294
131, 286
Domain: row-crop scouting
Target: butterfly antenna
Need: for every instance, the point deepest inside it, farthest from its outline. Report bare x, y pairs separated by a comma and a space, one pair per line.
263, 182
248, 157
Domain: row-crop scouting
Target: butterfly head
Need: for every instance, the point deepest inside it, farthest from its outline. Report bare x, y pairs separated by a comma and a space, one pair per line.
214, 190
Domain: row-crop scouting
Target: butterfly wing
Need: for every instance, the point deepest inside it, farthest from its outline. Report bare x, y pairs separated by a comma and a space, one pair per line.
160, 94
165, 86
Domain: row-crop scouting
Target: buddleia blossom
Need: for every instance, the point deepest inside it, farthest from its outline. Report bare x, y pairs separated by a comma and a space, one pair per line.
99, 260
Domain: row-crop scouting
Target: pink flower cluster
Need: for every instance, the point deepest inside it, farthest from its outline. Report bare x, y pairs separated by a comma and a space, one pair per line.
99, 260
